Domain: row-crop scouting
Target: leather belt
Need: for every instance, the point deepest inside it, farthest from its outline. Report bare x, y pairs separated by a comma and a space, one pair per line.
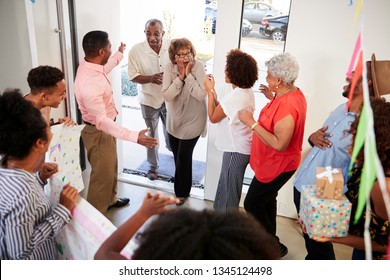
93, 124
89, 123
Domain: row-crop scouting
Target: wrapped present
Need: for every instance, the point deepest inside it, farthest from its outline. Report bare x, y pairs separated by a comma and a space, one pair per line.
324, 217
329, 182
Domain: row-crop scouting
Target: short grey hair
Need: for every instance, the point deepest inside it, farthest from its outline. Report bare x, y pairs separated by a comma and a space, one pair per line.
153, 22
285, 67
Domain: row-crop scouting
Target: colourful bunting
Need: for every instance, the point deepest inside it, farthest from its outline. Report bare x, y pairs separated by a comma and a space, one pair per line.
358, 47
365, 136
357, 13
357, 74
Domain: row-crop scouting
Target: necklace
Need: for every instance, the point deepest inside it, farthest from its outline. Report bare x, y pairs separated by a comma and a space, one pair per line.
284, 92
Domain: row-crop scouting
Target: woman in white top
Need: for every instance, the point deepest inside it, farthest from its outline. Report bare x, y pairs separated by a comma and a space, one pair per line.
234, 137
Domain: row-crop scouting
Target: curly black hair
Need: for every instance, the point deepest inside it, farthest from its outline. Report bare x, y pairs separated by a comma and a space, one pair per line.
185, 234
93, 41
44, 78
381, 113
21, 124
241, 69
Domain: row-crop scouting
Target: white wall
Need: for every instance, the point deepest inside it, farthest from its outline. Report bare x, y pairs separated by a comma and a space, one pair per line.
15, 55
29, 41
323, 43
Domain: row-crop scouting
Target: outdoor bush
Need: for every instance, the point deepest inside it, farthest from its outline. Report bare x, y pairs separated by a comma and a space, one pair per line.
128, 87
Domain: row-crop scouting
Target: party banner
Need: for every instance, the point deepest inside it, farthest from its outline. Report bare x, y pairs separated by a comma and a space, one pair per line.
81, 238
64, 150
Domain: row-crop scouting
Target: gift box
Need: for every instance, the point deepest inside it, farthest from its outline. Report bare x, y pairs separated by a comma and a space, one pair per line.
330, 183
324, 217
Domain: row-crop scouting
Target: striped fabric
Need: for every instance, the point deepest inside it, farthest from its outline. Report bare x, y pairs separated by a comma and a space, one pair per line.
230, 181
28, 223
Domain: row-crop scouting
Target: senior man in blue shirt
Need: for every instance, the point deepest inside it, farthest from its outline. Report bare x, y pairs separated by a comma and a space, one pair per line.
330, 148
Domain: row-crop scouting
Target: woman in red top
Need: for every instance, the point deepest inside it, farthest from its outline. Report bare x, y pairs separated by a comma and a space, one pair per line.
277, 141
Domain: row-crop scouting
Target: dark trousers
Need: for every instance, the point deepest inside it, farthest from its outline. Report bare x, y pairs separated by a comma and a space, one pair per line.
182, 153
260, 200
315, 250
358, 254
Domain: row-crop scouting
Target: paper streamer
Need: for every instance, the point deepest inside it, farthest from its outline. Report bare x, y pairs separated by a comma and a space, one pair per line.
358, 47
356, 76
357, 13
372, 168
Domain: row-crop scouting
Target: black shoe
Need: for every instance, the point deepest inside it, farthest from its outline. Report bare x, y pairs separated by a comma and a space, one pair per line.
182, 201
120, 202
152, 175
283, 250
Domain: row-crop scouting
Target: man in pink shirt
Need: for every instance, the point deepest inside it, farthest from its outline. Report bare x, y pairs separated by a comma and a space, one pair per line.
95, 100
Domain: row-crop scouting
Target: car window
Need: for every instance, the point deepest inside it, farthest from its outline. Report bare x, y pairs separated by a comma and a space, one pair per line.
250, 6
263, 7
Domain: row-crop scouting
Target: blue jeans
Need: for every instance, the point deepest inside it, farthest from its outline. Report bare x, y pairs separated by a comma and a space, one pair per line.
151, 117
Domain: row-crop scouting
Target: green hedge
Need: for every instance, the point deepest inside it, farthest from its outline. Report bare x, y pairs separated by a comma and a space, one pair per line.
128, 87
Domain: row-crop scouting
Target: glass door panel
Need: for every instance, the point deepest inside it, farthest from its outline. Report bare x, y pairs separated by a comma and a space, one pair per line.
263, 35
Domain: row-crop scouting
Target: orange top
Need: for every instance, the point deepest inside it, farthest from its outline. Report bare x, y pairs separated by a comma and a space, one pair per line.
266, 162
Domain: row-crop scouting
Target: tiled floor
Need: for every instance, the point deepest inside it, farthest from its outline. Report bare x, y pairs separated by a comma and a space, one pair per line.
287, 229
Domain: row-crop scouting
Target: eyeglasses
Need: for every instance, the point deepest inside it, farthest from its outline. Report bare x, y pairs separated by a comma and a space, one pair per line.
182, 55
157, 34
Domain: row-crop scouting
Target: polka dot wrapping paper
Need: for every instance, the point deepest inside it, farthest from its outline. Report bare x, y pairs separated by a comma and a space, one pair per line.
324, 217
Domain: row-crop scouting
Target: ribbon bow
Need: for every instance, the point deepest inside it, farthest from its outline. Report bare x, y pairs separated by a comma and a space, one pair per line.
328, 173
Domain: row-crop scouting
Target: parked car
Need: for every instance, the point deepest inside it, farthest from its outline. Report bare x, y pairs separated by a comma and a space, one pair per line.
246, 27
256, 11
211, 14
274, 27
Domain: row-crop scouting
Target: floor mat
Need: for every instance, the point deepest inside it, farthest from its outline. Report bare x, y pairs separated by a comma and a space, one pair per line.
167, 167
160, 177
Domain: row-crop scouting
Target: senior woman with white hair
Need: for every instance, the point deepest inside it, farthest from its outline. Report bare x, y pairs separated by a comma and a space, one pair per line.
277, 140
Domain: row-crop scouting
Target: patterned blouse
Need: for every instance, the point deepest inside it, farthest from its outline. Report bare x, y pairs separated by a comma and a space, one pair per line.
379, 228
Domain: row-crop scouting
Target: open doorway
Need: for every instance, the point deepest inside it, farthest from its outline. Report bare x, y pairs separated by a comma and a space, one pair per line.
176, 21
